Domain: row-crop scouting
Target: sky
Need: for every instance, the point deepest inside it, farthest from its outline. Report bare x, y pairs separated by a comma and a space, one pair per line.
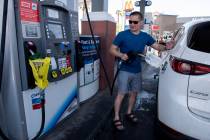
182, 8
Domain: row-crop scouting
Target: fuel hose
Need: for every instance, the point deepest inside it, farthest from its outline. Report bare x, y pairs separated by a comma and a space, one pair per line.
3, 40
97, 49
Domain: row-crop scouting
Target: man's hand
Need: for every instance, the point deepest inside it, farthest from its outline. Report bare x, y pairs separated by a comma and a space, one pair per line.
115, 51
124, 56
161, 47
170, 45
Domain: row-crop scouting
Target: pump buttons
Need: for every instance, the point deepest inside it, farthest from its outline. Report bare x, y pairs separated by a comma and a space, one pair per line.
63, 71
68, 70
54, 74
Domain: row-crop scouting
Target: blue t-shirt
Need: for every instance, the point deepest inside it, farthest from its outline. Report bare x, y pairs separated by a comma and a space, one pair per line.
127, 42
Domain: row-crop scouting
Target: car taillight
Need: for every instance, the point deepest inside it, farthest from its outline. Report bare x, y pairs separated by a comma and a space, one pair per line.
188, 68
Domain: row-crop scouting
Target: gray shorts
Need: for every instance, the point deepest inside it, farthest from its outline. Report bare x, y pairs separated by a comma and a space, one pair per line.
128, 82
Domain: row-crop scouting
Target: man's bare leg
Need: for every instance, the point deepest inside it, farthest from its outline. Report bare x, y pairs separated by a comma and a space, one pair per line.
130, 116
131, 102
117, 106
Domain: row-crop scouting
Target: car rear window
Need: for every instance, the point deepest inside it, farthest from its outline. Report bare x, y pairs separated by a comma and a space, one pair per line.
199, 37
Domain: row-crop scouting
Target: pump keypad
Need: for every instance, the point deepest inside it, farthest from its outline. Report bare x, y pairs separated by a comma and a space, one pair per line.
62, 54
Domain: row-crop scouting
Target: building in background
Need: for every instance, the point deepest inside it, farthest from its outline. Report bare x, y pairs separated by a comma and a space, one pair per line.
118, 11
156, 23
128, 8
148, 22
82, 11
165, 23
181, 20
120, 20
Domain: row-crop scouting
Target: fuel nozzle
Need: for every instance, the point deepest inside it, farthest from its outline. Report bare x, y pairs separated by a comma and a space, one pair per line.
32, 50
131, 56
31, 47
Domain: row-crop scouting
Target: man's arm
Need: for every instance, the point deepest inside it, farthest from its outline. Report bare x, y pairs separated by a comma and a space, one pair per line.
161, 47
115, 51
158, 47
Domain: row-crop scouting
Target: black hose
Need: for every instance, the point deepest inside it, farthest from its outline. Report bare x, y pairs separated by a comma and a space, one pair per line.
43, 115
97, 49
3, 136
115, 77
3, 40
131, 56
42, 96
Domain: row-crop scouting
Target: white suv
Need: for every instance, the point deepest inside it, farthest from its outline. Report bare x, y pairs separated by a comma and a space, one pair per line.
184, 83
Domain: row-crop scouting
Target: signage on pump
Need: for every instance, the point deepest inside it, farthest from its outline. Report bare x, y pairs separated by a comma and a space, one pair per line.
29, 11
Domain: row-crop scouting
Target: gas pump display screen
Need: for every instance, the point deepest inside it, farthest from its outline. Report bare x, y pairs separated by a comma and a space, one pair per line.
52, 13
55, 31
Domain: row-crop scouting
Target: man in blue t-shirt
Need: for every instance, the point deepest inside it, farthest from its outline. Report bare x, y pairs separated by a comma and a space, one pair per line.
125, 45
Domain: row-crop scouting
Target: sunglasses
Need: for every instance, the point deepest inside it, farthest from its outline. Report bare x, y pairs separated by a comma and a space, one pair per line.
134, 22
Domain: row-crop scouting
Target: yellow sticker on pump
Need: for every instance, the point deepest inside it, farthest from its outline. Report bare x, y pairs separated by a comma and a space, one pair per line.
40, 69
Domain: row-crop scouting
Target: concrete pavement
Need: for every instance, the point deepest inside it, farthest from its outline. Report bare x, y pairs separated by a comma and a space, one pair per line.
85, 121
93, 119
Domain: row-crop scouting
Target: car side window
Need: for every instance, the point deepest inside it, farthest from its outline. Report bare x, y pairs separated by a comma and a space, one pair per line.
200, 37
178, 34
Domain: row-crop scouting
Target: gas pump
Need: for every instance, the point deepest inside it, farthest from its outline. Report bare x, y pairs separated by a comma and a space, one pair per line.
38, 29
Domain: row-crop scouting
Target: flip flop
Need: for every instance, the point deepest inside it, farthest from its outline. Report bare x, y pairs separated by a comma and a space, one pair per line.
132, 118
118, 125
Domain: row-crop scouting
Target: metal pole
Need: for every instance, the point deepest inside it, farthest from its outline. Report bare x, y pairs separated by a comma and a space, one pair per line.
142, 7
99, 5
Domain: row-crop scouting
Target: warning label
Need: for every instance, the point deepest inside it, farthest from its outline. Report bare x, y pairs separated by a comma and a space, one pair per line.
29, 11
